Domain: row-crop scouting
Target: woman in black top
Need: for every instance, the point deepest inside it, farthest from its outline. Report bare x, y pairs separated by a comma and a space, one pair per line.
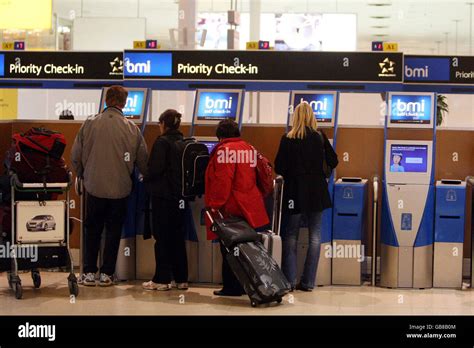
300, 161
163, 182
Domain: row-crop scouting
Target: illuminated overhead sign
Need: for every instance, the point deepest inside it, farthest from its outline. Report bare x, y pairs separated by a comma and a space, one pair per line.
261, 65
439, 69
62, 65
140, 64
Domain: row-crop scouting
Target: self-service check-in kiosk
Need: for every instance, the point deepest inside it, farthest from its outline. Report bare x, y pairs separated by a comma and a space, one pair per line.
325, 107
349, 226
449, 233
408, 191
211, 106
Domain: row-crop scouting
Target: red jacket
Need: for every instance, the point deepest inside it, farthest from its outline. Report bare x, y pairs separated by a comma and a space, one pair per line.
232, 187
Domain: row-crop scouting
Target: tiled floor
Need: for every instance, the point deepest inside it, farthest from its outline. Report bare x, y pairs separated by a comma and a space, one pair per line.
130, 299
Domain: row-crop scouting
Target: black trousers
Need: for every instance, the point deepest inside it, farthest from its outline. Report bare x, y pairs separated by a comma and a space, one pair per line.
100, 213
170, 249
229, 280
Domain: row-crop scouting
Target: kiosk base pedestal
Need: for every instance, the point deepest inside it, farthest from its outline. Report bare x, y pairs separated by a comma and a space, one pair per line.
406, 267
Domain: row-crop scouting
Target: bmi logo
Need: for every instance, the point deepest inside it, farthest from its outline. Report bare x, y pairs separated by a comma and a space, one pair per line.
422, 72
387, 68
320, 107
137, 68
218, 103
413, 109
148, 64
2, 64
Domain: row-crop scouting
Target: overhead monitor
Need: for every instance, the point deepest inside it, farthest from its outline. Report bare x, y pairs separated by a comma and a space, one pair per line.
210, 142
322, 103
408, 161
411, 110
136, 105
213, 106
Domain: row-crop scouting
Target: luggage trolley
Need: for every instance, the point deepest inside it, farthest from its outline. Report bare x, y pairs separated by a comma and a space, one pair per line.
37, 224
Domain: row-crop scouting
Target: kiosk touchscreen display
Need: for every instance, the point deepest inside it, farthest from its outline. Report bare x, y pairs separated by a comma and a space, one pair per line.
406, 109
323, 104
135, 106
214, 106
408, 158
210, 145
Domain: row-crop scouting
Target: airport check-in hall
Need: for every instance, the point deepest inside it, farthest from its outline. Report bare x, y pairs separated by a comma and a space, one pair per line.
179, 174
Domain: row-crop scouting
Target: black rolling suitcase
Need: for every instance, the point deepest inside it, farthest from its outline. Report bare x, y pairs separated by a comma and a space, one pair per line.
257, 272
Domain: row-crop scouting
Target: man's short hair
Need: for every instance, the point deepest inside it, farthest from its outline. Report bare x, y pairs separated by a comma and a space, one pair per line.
227, 129
116, 96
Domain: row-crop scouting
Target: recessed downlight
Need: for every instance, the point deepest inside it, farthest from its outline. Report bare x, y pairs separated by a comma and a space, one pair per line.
379, 4
380, 17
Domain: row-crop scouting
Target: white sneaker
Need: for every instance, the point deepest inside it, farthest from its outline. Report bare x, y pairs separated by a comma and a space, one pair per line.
182, 286
155, 286
87, 279
150, 285
105, 280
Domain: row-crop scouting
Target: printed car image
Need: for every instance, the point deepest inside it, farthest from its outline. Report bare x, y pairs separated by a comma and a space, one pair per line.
41, 223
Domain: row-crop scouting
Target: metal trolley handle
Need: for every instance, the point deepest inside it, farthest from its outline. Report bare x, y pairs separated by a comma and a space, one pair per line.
79, 185
17, 184
374, 230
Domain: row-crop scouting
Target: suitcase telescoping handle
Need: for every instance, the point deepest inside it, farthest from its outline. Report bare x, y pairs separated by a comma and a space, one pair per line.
278, 185
210, 212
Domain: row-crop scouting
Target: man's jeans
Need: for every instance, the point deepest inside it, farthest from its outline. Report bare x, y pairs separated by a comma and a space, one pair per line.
100, 213
290, 233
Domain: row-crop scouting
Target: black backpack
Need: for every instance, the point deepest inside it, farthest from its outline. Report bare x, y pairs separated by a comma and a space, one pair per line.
194, 159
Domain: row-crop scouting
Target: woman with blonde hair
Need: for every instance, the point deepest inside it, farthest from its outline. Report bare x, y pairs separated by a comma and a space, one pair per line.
300, 161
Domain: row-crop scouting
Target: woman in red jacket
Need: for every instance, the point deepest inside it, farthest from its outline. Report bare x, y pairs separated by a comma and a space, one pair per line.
231, 188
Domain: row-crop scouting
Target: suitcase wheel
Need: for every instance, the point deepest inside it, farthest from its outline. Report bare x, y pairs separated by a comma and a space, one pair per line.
253, 304
17, 288
73, 287
35, 275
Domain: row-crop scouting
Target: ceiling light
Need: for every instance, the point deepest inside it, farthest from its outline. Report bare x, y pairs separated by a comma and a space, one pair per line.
380, 35
379, 4
379, 26
380, 17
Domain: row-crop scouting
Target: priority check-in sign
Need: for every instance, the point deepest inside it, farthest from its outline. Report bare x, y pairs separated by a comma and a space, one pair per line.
262, 65
61, 65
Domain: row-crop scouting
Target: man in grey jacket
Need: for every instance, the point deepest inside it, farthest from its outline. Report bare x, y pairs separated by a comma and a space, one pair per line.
104, 154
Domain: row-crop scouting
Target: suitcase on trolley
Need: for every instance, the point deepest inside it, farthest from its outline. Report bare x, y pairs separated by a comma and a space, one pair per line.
271, 239
256, 270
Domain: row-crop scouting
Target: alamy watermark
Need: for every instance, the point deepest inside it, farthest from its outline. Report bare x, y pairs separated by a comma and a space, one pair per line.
78, 109
226, 155
345, 251
8, 251
28, 330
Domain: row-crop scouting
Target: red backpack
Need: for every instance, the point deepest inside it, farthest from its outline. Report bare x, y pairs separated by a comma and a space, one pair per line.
40, 158
264, 175
43, 140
